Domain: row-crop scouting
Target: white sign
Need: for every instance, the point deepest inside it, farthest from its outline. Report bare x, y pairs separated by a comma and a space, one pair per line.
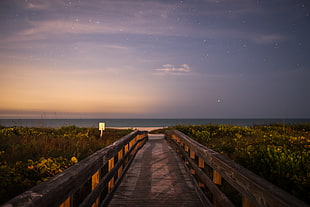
101, 126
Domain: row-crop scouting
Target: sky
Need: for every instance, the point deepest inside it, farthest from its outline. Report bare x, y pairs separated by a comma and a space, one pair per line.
154, 59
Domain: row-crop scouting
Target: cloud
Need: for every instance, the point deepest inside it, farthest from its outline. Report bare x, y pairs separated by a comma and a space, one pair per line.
38, 6
136, 19
173, 70
55, 19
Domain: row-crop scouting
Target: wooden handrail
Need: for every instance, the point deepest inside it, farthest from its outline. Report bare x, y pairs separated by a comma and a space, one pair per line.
104, 169
255, 190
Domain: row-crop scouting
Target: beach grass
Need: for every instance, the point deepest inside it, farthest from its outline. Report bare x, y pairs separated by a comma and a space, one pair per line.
279, 153
29, 156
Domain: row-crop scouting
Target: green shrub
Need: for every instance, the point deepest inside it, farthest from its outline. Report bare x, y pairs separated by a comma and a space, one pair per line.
280, 153
29, 156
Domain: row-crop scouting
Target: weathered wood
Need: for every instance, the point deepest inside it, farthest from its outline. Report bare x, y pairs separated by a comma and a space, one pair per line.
156, 177
104, 181
246, 202
110, 167
94, 183
66, 203
57, 189
120, 156
131, 143
192, 156
217, 178
201, 163
140, 143
256, 189
126, 147
216, 192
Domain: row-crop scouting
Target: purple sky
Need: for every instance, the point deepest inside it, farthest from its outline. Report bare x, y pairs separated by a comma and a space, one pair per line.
154, 59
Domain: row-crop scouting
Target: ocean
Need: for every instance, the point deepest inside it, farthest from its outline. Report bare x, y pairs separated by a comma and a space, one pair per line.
138, 123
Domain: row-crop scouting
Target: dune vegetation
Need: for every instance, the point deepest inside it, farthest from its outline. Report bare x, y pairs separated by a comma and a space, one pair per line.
279, 153
29, 156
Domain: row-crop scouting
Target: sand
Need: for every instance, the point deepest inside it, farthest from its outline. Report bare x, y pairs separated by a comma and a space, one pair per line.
139, 128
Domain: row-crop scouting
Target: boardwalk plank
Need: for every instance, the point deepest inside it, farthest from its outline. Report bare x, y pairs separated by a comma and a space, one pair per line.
157, 177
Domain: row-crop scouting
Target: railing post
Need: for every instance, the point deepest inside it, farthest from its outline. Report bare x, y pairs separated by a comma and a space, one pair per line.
95, 179
246, 202
120, 169
66, 203
217, 178
131, 143
201, 164
186, 150
192, 156
110, 167
126, 148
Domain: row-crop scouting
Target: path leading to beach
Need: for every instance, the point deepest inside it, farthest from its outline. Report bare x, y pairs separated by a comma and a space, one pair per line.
157, 177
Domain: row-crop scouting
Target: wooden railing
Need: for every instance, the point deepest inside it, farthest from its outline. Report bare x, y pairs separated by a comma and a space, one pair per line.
90, 182
216, 174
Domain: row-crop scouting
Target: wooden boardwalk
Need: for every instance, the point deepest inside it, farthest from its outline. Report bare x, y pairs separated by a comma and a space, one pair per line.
157, 177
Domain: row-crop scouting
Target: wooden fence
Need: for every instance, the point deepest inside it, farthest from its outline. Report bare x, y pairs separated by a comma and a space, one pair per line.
90, 182
217, 175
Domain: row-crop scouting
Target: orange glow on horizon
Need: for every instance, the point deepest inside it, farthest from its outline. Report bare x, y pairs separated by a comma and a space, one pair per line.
71, 91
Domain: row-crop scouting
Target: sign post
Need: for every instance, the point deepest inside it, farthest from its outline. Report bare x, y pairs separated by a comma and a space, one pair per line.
101, 128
